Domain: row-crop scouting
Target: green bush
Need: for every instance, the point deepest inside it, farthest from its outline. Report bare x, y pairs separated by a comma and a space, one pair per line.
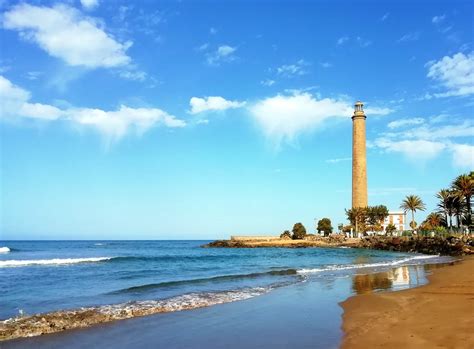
285, 235
407, 233
390, 229
324, 225
299, 231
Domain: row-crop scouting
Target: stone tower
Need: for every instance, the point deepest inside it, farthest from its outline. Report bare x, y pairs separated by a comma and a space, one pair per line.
359, 159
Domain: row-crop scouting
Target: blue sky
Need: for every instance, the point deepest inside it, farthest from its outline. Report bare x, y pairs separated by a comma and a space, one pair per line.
201, 119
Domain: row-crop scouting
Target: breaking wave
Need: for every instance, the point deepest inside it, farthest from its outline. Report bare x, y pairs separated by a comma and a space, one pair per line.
55, 261
4, 249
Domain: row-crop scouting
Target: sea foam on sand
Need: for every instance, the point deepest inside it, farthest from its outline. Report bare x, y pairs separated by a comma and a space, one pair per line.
365, 265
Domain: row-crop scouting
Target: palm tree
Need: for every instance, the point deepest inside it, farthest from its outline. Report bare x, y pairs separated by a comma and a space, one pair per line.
412, 203
434, 219
463, 185
357, 216
458, 208
445, 205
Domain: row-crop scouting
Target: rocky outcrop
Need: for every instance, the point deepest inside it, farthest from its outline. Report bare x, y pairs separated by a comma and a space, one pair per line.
453, 246
310, 240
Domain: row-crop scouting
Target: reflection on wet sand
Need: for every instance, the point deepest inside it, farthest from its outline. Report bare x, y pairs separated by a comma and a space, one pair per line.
396, 278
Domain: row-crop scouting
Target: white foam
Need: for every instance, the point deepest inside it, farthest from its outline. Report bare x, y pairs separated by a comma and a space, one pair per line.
4, 249
183, 302
55, 261
366, 265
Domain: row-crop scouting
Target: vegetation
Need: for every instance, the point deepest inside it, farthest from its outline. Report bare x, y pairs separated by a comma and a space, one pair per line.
286, 235
445, 205
412, 203
454, 209
299, 231
390, 229
454, 202
365, 219
431, 222
463, 187
324, 226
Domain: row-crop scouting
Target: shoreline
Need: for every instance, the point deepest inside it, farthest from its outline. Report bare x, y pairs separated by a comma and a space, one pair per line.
438, 314
450, 246
66, 320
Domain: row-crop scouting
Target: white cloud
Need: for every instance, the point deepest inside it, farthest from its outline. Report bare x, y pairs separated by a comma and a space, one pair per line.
438, 19
363, 42
213, 31
268, 82
424, 143
212, 103
342, 40
466, 129
335, 161
33, 75
438, 118
385, 16
378, 111
224, 53
203, 47
134, 75
326, 64
405, 122
12, 97
415, 150
15, 103
284, 117
409, 37
463, 155
291, 70
430, 132
89, 4
115, 124
111, 124
455, 73
64, 33
40, 111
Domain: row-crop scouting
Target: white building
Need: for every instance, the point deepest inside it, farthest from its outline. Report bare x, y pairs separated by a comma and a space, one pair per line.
397, 218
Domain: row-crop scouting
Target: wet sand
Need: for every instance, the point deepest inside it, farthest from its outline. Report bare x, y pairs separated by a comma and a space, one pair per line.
437, 315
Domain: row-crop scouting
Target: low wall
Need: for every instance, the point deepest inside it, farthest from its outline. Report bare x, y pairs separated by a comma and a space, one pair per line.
254, 238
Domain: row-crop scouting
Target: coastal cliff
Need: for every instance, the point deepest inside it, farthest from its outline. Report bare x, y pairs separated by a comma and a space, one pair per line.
451, 245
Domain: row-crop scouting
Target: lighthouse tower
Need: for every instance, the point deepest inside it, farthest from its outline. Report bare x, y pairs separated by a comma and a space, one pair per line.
359, 158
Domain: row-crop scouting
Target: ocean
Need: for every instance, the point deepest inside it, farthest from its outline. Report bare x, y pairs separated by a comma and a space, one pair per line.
46, 276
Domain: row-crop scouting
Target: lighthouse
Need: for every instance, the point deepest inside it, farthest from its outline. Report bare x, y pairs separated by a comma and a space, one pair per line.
359, 157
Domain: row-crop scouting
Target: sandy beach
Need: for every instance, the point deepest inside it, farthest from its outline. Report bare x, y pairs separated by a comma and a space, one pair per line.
437, 315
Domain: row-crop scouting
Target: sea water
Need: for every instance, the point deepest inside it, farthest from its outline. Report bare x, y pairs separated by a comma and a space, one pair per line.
46, 276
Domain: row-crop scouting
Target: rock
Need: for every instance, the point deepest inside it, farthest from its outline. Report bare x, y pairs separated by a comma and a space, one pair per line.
429, 245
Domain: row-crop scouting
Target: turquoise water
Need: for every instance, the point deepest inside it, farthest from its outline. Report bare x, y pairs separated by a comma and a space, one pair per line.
43, 276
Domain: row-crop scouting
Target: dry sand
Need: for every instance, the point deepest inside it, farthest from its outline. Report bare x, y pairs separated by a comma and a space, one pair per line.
437, 315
